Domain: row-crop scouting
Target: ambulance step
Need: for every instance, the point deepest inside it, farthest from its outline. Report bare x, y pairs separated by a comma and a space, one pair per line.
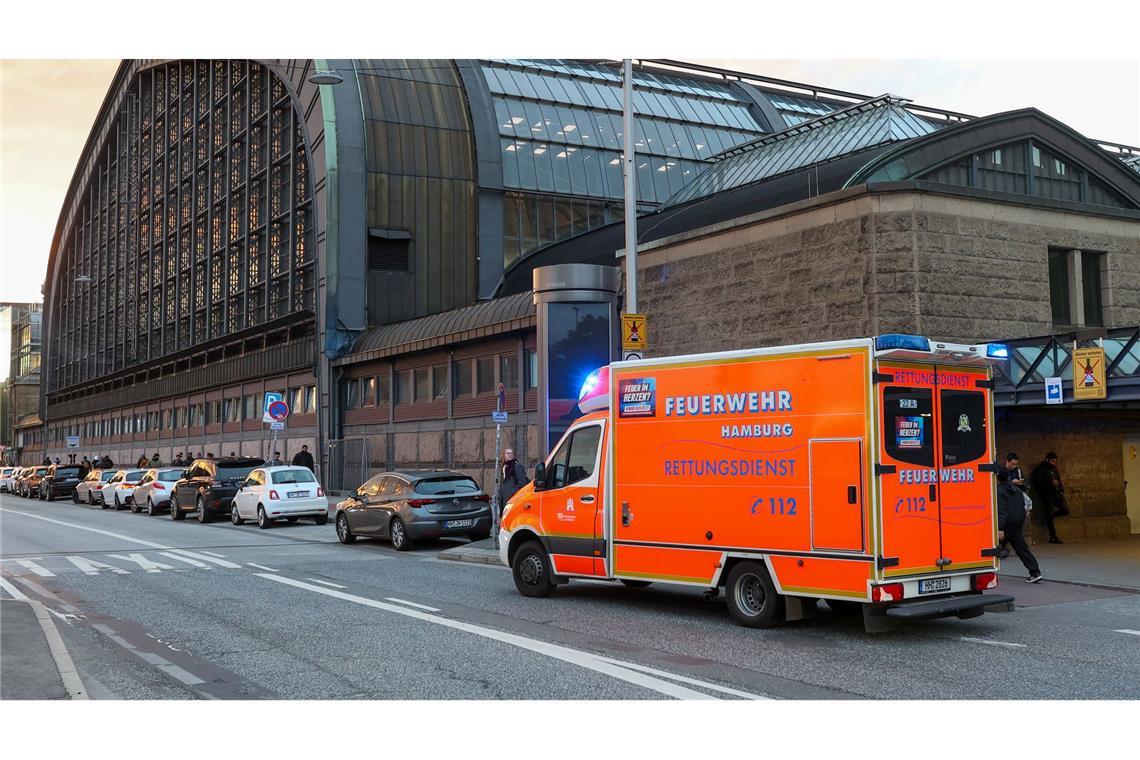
947, 605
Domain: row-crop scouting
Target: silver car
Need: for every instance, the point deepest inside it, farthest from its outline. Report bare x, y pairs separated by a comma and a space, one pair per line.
153, 491
409, 505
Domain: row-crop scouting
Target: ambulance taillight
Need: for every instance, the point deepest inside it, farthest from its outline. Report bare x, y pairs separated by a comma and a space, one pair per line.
888, 592
984, 581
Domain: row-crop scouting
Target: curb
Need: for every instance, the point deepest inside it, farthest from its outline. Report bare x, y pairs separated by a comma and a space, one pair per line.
476, 556
1087, 584
71, 681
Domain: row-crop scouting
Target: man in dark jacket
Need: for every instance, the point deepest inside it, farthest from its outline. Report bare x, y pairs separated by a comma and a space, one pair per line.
1011, 515
1047, 483
512, 477
303, 458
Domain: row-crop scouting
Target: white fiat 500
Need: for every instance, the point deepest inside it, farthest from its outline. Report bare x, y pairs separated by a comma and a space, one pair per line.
279, 493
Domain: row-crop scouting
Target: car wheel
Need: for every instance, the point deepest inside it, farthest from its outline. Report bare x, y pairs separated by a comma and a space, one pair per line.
175, 512
135, 506
200, 508
102, 503
636, 584
75, 497
752, 598
344, 533
531, 570
399, 534
118, 505
150, 508
321, 519
235, 518
263, 520
90, 497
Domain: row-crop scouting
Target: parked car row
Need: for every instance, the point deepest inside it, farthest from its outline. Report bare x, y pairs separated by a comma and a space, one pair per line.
403, 506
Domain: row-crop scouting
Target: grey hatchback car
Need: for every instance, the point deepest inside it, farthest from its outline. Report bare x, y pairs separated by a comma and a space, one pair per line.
409, 505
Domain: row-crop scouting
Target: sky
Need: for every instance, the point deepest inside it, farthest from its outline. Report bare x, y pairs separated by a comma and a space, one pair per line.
47, 109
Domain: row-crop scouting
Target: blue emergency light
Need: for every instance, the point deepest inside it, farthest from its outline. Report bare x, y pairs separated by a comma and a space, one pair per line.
588, 385
890, 341
997, 351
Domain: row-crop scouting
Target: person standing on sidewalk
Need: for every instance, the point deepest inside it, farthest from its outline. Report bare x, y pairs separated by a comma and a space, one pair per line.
1047, 483
1012, 514
304, 459
512, 477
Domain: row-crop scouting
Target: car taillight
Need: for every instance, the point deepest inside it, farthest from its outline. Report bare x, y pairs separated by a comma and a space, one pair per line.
320, 491
273, 494
890, 592
420, 502
983, 581
159, 487
481, 497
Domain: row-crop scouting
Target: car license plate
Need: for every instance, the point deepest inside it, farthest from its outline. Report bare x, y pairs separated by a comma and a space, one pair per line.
933, 585
459, 523
298, 494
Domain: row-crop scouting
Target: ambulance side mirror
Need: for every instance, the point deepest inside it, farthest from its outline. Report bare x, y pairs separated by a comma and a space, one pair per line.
540, 476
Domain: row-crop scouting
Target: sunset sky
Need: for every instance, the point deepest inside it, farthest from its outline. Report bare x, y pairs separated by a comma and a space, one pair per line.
47, 109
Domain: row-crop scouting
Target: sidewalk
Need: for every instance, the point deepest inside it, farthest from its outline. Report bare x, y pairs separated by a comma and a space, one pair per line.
1112, 563
33, 661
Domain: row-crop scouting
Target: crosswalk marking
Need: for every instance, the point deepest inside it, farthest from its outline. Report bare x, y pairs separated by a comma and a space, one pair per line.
195, 555
148, 565
39, 570
187, 560
213, 554
92, 567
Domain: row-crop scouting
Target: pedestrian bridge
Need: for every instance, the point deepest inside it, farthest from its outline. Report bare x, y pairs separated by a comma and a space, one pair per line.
1020, 381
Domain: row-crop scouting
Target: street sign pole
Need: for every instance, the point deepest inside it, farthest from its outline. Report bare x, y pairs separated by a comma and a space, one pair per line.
630, 189
495, 506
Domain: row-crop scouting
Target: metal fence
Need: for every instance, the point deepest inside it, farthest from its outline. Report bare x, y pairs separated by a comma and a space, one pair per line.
349, 463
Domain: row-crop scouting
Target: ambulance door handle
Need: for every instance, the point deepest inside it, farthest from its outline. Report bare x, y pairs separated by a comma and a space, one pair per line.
626, 515
852, 495
587, 499
933, 492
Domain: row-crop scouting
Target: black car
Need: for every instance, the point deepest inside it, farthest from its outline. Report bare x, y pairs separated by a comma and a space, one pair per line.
409, 505
207, 486
60, 480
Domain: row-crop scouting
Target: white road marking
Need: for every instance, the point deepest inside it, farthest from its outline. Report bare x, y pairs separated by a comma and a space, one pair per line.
148, 565
412, 604
15, 592
119, 536
187, 560
92, 567
158, 661
326, 583
261, 567
555, 651
214, 554
683, 679
195, 555
1127, 630
1007, 644
39, 570
63, 662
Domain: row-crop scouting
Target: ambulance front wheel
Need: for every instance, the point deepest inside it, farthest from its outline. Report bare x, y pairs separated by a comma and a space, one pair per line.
751, 596
531, 569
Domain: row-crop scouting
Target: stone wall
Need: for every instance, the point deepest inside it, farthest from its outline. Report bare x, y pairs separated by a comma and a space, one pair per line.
855, 264
1090, 457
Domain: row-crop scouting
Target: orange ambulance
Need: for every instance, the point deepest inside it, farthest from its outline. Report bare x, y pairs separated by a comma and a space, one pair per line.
856, 471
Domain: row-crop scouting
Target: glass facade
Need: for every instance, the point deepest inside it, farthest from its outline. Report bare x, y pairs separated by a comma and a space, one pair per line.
196, 223
560, 127
532, 221
877, 122
579, 342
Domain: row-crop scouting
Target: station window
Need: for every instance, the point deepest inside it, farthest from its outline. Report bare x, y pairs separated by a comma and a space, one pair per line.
383, 389
485, 374
352, 394
463, 373
531, 368
369, 385
250, 403
423, 384
509, 370
404, 387
439, 385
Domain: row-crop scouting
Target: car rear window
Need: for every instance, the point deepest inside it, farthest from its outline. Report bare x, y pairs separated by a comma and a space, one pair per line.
299, 475
170, 476
233, 472
446, 485
135, 475
107, 475
67, 472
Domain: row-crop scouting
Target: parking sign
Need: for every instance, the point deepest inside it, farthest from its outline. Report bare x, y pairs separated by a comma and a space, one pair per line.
270, 398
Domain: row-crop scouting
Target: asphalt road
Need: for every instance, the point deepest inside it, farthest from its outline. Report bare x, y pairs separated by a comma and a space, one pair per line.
154, 609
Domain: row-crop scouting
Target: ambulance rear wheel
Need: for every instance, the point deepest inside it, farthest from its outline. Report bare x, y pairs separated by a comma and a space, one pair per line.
751, 596
531, 569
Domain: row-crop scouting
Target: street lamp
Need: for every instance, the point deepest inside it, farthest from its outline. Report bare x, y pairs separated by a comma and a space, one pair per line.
326, 77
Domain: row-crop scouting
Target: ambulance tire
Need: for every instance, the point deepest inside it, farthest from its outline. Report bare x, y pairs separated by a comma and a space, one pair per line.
531, 570
636, 584
751, 596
